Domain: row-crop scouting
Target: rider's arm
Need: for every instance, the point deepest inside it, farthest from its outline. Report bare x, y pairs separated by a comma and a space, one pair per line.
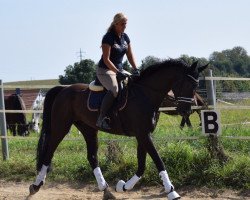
105, 55
130, 56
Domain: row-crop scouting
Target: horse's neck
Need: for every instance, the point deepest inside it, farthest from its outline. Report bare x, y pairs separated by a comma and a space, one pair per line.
157, 85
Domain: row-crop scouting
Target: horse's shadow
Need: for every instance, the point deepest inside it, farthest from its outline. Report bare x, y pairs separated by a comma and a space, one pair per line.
161, 194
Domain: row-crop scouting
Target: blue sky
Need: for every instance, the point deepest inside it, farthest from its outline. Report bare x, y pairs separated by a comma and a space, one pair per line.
39, 39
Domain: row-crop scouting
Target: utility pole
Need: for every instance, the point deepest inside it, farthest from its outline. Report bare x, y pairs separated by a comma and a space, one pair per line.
80, 54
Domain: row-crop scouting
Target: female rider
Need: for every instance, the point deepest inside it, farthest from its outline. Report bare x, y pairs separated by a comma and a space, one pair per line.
115, 44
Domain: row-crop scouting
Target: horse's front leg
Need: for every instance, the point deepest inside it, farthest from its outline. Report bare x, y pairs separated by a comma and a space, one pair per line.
183, 122
141, 158
13, 129
188, 122
199, 113
150, 149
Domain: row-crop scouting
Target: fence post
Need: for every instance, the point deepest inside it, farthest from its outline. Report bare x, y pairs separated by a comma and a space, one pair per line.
5, 149
211, 91
215, 146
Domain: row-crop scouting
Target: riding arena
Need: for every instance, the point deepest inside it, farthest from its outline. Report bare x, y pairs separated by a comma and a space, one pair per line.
55, 139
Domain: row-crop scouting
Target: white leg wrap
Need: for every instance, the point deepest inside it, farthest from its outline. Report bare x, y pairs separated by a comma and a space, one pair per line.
41, 175
102, 185
173, 195
131, 182
166, 182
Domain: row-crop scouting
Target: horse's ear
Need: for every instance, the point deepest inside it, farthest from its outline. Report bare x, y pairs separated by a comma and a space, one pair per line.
194, 65
200, 69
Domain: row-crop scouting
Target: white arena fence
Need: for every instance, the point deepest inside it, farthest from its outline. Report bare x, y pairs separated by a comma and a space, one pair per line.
161, 109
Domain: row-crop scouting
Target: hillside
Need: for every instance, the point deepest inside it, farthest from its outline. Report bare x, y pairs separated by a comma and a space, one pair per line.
34, 82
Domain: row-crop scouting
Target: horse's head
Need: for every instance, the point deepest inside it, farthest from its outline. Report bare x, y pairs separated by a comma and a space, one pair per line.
185, 87
23, 129
34, 125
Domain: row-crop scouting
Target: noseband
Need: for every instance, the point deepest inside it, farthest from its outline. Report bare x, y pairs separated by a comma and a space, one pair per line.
186, 99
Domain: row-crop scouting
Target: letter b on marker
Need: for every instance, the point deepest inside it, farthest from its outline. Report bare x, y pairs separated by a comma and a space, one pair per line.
210, 122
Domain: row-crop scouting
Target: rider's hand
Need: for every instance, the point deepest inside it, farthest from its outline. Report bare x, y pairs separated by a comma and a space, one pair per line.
121, 76
136, 72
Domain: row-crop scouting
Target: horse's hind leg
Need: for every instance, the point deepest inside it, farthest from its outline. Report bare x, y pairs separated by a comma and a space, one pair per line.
58, 132
90, 136
53, 144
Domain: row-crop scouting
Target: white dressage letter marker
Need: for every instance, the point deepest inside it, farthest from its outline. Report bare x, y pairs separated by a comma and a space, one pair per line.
210, 122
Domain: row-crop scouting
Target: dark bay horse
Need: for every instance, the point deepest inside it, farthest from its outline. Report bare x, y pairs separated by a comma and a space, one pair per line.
169, 101
16, 122
65, 106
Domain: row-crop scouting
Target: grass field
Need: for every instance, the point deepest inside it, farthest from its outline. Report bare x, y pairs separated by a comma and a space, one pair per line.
188, 161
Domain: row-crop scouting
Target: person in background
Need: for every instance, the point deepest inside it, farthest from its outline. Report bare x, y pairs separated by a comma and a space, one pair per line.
115, 44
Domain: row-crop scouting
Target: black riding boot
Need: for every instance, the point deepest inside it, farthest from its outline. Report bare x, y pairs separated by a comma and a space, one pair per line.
107, 102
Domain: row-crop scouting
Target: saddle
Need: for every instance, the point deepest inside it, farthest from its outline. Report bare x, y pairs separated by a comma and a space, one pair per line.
97, 93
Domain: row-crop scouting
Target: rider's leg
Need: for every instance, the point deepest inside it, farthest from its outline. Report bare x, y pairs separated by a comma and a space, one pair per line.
107, 102
108, 80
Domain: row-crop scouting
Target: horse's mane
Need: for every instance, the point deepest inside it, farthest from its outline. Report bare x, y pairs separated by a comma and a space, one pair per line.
166, 63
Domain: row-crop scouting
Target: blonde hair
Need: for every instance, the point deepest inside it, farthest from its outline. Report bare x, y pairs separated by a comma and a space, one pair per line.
117, 18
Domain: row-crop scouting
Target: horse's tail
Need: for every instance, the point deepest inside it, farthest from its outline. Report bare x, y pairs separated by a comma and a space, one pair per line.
46, 125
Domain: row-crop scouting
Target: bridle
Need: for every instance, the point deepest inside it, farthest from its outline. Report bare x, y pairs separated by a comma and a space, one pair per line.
185, 99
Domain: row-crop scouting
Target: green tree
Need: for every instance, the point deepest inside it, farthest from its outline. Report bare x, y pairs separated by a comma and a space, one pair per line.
83, 72
231, 61
126, 66
234, 63
149, 60
191, 59
188, 59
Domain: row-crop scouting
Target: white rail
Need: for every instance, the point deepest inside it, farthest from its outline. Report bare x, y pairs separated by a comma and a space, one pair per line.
224, 78
132, 139
161, 109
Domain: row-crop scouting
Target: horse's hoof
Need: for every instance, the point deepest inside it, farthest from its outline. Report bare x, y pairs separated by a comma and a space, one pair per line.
108, 195
120, 186
35, 188
173, 195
